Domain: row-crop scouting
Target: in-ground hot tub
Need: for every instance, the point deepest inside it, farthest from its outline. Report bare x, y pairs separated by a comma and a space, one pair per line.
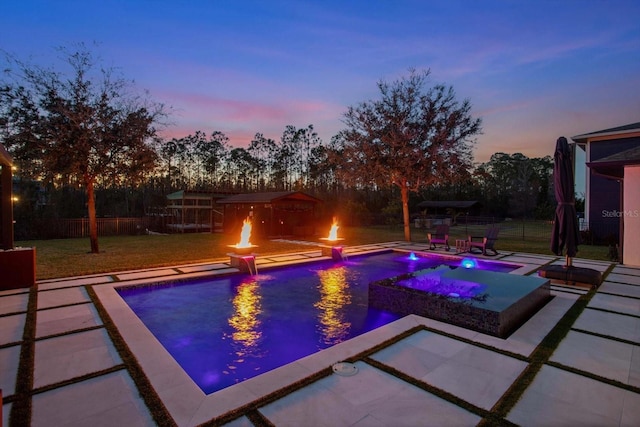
486, 301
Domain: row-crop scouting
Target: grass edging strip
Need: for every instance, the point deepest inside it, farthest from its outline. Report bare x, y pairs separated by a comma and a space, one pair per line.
158, 411
265, 400
21, 408
539, 357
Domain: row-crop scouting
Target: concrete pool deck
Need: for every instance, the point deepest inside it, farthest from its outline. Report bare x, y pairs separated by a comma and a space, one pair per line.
434, 374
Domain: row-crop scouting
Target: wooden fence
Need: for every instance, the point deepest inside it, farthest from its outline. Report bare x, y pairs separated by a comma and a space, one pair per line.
79, 227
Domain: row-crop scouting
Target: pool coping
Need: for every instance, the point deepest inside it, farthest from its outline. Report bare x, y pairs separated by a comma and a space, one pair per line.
189, 405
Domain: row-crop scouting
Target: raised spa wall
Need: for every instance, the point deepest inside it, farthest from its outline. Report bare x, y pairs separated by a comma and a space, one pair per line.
479, 314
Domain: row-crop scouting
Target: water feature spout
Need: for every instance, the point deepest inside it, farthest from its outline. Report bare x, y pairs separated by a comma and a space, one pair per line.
250, 261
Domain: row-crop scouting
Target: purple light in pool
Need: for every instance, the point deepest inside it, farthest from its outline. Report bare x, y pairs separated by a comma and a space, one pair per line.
434, 284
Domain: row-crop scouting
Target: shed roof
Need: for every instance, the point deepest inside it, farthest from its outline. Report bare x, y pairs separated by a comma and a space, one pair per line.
185, 194
454, 204
269, 197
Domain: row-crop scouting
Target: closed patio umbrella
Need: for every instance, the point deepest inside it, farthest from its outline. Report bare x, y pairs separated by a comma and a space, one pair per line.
565, 233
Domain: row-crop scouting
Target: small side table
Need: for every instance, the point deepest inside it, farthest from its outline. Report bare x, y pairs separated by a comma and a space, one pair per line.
462, 246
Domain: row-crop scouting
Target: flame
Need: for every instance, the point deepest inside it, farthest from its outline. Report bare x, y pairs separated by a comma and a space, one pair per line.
245, 234
333, 233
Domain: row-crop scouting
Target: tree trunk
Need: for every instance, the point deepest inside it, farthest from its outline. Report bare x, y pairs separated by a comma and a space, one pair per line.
93, 224
404, 191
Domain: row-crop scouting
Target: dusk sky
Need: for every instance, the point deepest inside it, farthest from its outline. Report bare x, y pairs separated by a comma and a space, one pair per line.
532, 70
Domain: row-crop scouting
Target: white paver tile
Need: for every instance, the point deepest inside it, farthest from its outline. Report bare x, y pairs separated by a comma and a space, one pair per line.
620, 289
9, 361
147, 274
61, 297
476, 375
560, 398
240, 422
610, 324
600, 356
108, 400
6, 410
13, 303
70, 283
62, 358
205, 267
65, 319
623, 278
11, 328
626, 270
615, 303
634, 373
371, 397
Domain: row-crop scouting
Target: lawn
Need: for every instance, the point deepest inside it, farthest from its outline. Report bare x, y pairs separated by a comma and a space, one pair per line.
71, 257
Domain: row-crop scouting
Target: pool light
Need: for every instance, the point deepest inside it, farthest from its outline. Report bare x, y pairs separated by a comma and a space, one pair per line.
468, 263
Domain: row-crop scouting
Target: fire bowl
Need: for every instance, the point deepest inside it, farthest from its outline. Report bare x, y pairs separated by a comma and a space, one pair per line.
242, 250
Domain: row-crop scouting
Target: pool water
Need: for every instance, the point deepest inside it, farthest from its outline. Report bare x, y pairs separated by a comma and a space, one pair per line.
228, 329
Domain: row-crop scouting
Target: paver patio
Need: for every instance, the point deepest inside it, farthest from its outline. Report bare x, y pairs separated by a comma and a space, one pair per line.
438, 374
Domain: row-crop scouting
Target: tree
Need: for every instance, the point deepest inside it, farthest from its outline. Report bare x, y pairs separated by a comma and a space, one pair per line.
412, 137
85, 127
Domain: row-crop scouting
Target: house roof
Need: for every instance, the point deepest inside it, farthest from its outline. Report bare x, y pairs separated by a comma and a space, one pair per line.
269, 197
617, 131
613, 166
454, 204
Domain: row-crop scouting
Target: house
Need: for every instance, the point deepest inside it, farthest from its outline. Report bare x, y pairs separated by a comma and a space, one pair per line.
612, 198
281, 213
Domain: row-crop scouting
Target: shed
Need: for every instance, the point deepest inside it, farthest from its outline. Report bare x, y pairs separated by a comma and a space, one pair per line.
194, 211
444, 211
279, 213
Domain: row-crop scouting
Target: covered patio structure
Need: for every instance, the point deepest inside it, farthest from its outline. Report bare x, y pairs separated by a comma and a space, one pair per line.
280, 213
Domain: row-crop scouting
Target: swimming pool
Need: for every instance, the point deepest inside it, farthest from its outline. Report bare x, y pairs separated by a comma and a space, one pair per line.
227, 329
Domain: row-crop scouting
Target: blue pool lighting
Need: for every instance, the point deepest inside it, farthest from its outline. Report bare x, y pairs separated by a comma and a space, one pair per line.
413, 257
469, 263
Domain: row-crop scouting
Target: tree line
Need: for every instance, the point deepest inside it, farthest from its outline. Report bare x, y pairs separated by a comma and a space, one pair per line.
86, 143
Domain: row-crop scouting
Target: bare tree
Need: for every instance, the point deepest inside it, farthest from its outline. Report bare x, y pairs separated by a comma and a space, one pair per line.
412, 137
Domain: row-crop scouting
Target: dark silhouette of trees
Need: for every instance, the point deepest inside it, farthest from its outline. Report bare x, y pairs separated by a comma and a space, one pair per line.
81, 135
412, 137
84, 128
516, 185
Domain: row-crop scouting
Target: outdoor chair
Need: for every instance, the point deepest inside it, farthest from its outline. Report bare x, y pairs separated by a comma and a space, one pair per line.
486, 242
440, 237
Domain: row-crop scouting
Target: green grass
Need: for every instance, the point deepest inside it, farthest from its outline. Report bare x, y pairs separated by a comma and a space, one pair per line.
71, 257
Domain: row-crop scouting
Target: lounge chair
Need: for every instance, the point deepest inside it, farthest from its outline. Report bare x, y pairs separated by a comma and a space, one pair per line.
486, 242
440, 237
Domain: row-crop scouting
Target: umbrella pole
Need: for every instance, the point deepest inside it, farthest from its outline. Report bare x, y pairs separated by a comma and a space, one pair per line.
569, 261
